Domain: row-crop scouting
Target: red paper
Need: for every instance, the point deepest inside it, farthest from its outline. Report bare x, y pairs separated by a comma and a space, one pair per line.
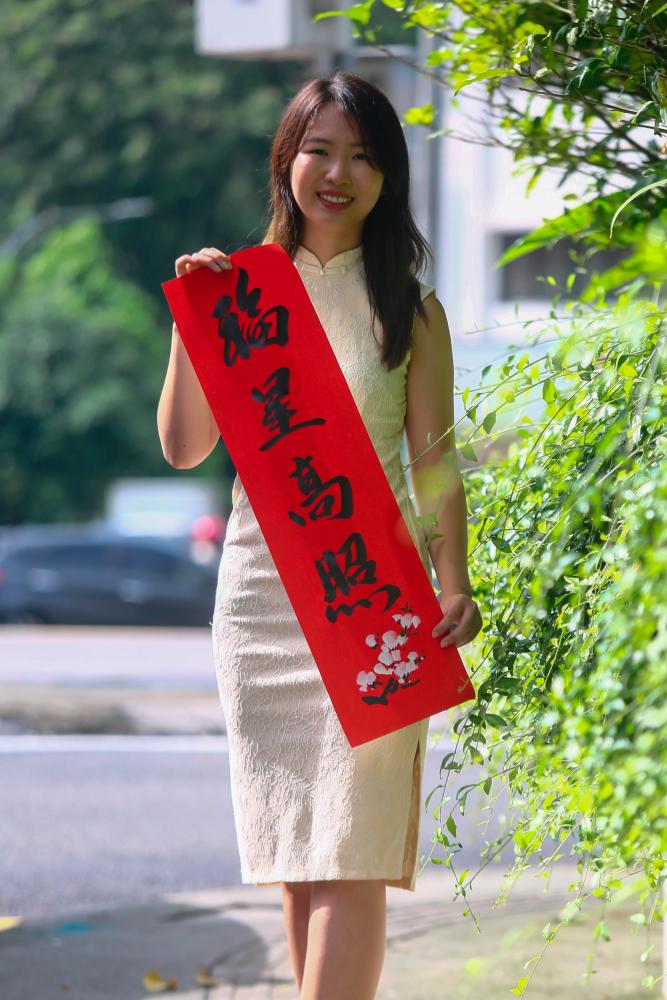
349, 566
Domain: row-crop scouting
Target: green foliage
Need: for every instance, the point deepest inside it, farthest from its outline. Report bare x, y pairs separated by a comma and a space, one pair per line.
569, 553
378, 23
109, 101
81, 363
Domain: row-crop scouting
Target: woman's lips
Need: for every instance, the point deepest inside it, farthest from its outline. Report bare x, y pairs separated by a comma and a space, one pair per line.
334, 206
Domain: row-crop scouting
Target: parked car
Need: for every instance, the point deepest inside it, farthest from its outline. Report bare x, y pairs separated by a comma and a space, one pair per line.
83, 575
188, 509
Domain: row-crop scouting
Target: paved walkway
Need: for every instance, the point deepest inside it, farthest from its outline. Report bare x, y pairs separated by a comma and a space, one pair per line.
234, 940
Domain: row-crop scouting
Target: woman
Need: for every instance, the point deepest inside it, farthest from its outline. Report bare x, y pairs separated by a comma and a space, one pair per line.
334, 825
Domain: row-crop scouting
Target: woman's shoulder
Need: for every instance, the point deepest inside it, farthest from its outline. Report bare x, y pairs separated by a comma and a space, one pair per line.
432, 323
425, 290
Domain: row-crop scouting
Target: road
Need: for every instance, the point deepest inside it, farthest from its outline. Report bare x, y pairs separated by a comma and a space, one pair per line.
91, 828
101, 821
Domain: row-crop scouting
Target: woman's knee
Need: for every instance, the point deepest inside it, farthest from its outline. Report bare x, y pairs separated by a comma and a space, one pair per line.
297, 889
351, 888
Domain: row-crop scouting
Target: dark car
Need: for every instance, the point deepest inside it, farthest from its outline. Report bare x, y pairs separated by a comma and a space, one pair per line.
76, 575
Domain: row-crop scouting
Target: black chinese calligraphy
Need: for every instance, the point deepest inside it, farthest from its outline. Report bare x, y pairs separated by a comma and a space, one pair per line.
327, 500
245, 329
277, 412
356, 570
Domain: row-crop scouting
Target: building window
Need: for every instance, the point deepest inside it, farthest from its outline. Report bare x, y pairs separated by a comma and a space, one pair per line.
525, 278
320, 7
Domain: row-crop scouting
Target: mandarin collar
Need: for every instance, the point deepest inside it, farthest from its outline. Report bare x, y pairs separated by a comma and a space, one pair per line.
340, 263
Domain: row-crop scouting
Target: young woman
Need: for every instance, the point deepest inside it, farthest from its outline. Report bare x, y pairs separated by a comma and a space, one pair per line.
334, 825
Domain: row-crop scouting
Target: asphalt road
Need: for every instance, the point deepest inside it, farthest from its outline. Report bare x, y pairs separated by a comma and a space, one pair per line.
90, 829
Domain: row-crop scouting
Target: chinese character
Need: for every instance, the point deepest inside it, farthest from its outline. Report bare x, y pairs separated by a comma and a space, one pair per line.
357, 569
392, 595
277, 414
331, 499
241, 338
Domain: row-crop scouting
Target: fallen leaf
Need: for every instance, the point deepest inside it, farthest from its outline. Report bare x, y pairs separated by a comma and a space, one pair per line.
154, 983
6, 923
204, 978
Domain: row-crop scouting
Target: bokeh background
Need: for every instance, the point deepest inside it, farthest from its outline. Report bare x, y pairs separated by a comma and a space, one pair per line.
134, 131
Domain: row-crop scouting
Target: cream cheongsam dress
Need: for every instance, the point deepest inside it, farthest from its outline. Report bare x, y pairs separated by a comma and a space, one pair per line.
307, 806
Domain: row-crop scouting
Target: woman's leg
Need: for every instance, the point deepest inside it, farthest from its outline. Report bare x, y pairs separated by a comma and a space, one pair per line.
296, 909
346, 940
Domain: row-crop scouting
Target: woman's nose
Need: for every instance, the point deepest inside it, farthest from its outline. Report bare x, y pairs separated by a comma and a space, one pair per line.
338, 171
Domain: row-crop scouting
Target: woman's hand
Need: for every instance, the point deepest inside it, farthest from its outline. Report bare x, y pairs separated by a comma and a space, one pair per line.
461, 615
206, 257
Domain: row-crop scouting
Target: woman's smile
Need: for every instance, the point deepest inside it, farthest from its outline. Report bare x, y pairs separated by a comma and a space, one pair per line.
334, 200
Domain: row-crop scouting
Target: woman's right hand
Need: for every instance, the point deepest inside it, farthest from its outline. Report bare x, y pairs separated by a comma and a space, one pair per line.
206, 257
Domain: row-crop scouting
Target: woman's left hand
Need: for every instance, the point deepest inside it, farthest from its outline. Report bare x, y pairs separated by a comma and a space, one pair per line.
461, 615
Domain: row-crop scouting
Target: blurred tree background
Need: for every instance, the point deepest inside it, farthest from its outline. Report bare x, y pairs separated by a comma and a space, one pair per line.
101, 104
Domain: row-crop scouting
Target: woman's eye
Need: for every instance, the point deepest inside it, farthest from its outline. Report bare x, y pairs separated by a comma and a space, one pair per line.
317, 151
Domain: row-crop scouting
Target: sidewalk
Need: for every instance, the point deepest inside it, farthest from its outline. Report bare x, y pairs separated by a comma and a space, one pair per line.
37, 709
125, 711
127, 681
236, 937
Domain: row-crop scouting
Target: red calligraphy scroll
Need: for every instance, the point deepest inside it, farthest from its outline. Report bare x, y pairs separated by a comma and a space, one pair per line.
333, 526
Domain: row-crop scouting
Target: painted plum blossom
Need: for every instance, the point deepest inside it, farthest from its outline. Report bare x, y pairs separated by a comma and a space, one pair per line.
394, 664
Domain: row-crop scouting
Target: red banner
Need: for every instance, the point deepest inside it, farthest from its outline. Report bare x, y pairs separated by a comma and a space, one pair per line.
332, 524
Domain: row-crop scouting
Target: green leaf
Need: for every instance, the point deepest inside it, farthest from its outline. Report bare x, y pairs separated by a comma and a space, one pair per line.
601, 931
489, 421
358, 13
495, 720
636, 194
585, 74
423, 115
548, 391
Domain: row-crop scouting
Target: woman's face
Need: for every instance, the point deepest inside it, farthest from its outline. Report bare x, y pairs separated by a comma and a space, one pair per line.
334, 181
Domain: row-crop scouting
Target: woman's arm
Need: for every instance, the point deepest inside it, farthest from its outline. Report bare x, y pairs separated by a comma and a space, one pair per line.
188, 431
436, 478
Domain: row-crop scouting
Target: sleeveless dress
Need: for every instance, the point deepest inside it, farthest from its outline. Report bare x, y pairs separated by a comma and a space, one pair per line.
307, 806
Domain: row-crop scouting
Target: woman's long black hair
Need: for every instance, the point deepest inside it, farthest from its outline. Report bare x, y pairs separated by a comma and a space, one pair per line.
395, 252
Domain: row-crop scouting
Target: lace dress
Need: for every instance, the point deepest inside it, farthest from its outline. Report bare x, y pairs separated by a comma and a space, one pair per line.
307, 806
